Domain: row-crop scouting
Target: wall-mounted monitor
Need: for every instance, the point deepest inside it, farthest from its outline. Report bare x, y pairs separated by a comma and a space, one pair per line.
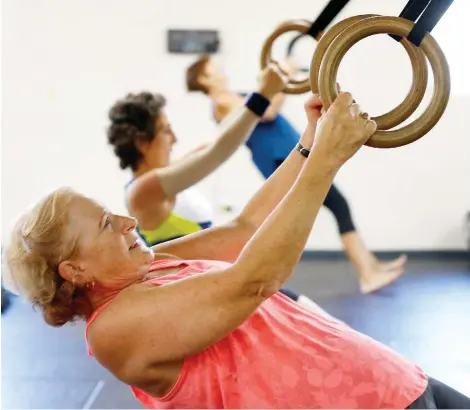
193, 41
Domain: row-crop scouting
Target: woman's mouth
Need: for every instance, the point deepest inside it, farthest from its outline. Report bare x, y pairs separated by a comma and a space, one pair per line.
135, 245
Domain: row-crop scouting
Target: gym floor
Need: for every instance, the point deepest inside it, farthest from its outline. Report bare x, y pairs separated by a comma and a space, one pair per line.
425, 316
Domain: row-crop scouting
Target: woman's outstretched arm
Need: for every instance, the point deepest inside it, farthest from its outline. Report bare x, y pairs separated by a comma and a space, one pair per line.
164, 183
225, 242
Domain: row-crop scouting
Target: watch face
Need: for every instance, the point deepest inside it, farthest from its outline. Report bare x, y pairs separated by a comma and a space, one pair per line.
303, 151
193, 41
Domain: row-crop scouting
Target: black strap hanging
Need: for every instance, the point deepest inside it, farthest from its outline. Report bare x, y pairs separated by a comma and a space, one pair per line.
425, 14
324, 19
328, 14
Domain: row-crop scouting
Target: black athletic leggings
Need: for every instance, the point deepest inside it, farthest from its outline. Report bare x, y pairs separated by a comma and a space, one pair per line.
336, 203
440, 396
290, 294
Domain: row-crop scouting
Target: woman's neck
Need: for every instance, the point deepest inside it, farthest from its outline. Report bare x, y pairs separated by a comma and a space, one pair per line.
216, 93
100, 295
143, 168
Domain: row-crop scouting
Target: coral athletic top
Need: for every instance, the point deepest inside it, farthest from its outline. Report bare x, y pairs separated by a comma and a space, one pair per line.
284, 356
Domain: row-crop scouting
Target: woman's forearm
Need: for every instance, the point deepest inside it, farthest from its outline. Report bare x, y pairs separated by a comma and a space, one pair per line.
185, 173
275, 188
194, 151
271, 254
276, 104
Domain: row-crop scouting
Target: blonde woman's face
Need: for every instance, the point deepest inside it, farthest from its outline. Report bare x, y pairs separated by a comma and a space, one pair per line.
109, 248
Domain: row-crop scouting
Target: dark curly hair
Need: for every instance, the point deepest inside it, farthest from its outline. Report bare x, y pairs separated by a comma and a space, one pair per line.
133, 119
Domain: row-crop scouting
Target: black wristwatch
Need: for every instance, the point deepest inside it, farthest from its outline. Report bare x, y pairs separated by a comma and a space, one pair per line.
303, 151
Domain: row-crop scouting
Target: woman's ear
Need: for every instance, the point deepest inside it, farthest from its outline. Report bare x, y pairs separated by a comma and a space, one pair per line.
142, 146
71, 271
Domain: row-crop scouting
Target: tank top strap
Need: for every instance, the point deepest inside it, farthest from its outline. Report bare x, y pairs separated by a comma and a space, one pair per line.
166, 263
91, 319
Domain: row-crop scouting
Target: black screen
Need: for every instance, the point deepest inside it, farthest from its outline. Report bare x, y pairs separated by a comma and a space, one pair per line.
193, 41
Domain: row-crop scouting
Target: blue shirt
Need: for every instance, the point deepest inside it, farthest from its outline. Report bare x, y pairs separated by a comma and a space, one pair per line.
271, 143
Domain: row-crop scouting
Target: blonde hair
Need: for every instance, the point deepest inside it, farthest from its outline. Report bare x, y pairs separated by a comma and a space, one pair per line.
39, 243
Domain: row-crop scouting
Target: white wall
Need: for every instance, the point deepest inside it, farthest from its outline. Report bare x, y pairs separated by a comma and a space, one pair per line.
65, 62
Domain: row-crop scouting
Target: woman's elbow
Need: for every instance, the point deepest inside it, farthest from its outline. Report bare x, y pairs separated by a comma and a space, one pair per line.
256, 280
259, 289
246, 225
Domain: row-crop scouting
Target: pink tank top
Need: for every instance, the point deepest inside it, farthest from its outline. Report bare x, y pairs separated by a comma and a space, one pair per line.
285, 356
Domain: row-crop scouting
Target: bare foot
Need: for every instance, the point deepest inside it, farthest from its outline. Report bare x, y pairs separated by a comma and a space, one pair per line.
378, 280
397, 263
382, 275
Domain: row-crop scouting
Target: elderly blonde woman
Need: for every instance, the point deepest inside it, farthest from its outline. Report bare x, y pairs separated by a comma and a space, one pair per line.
199, 322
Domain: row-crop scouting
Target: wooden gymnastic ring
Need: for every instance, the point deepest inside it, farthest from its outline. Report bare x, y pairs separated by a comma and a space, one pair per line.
290, 48
298, 82
401, 27
293, 86
418, 64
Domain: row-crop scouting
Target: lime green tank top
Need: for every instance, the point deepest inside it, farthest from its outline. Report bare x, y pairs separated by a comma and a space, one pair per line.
192, 213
